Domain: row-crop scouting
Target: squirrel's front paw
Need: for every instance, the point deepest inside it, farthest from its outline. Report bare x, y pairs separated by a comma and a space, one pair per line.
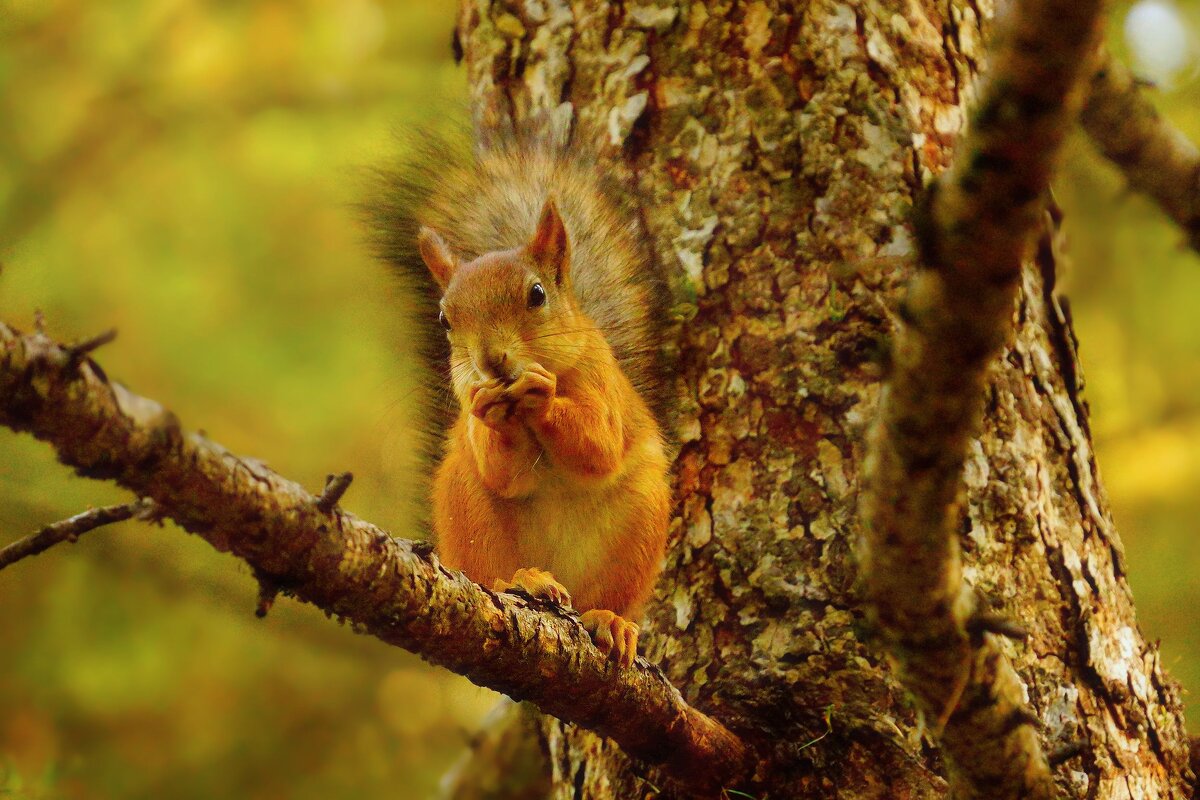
534, 389
616, 636
490, 402
537, 583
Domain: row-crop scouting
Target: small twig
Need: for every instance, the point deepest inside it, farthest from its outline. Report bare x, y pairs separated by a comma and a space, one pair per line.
1067, 752
69, 530
77, 352
997, 624
268, 590
1023, 717
335, 487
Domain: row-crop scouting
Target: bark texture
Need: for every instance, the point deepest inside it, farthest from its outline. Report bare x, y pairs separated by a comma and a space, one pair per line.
780, 149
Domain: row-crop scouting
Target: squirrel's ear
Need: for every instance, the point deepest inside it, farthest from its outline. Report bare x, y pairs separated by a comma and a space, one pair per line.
437, 256
550, 246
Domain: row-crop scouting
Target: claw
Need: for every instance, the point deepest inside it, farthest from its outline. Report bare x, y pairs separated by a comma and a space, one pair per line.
603, 638
614, 636
537, 583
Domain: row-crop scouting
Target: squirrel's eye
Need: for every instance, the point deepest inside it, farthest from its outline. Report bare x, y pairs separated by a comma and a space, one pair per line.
537, 296
445, 323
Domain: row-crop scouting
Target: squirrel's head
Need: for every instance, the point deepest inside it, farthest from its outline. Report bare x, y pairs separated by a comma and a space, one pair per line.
509, 308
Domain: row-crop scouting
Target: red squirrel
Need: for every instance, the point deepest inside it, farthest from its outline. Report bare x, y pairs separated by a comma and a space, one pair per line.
554, 477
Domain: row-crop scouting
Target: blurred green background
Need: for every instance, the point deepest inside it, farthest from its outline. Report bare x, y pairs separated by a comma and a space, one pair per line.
186, 172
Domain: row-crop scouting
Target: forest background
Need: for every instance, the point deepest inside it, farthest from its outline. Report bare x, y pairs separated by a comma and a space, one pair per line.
188, 172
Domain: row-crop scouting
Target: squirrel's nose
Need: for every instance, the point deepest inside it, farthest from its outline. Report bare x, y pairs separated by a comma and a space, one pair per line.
495, 363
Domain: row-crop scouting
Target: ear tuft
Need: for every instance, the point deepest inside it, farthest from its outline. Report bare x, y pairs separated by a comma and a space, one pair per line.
437, 256
550, 246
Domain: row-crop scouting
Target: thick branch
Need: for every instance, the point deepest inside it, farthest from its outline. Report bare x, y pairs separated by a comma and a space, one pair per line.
70, 529
393, 589
1157, 159
977, 231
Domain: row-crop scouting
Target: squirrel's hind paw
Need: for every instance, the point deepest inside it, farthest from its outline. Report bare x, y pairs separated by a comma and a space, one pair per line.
537, 583
616, 636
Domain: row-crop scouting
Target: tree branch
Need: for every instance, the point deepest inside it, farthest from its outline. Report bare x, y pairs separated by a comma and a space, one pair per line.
1157, 159
975, 234
393, 589
71, 529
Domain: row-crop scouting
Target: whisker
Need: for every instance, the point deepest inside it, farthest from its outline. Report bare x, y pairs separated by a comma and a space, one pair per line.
608, 332
562, 333
567, 346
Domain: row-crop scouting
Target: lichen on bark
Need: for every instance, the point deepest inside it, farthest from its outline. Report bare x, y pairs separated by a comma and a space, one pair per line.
779, 149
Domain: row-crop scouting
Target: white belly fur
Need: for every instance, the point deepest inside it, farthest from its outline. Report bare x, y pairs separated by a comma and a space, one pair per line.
571, 528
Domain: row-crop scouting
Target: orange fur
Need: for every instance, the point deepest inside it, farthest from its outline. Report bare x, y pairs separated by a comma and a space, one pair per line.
556, 463
492, 488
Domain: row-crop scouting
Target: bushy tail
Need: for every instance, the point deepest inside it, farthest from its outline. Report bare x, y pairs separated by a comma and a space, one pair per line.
395, 197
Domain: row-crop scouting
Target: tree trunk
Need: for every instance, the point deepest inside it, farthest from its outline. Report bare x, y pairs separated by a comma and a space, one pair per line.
779, 149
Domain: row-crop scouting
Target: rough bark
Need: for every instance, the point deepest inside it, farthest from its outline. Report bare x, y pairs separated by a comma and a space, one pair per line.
780, 149
391, 588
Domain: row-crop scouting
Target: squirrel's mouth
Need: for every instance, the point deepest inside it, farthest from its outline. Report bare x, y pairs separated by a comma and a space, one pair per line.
505, 376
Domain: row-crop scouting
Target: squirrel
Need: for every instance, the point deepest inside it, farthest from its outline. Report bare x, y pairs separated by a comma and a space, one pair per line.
554, 477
